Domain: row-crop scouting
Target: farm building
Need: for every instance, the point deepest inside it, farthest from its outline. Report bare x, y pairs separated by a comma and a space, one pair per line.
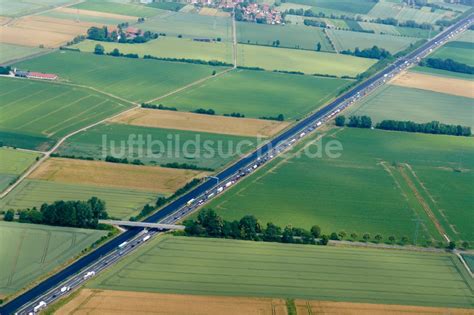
42, 76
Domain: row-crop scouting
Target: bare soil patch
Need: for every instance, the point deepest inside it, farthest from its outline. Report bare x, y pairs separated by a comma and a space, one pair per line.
434, 83
125, 302
42, 30
326, 307
204, 123
147, 178
96, 14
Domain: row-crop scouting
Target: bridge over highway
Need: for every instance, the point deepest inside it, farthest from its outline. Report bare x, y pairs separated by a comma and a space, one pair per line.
148, 225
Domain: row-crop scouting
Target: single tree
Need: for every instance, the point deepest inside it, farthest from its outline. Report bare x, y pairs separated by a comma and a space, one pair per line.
378, 238
404, 240
465, 245
324, 240
452, 245
354, 236
334, 236
318, 46
9, 215
316, 231
366, 237
99, 49
340, 121
392, 239
342, 235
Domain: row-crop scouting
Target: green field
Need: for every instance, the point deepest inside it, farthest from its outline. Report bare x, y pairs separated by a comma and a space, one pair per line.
259, 93
29, 251
13, 163
120, 203
344, 40
23, 7
48, 110
143, 79
161, 145
309, 62
391, 9
100, 20
290, 36
458, 51
240, 268
361, 191
117, 8
443, 73
337, 6
169, 47
190, 25
469, 261
379, 28
9, 52
402, 103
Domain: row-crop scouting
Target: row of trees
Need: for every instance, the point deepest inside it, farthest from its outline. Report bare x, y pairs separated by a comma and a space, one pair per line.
374, 53
354, 121
103, 34
434, 127
112, 159
408, 23
161, 201
82, 214
186, 166
279, 117
195, 61
160, 106
204, 111
447, 64
209, 224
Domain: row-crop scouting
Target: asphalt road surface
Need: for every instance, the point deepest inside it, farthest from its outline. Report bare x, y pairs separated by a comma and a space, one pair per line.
73, 276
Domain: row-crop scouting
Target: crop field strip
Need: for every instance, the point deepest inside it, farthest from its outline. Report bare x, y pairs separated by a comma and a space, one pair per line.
161, 149
121, 203
308, 62
14, 163
388, 9
337, 7
51, 110
259, 93
189, 25
458, 51
9, 52
152, 179
247, 127
100, 18
117, 8
442, 73
101, 301
147, 79
317, 187
36, 250
168, 47
289, 36
403, 103
227, 267
350, 40
23, 7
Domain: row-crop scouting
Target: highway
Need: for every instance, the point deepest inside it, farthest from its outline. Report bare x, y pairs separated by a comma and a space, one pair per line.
73, 276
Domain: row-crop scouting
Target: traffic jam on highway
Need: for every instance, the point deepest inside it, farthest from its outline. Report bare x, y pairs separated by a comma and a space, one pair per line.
195, 203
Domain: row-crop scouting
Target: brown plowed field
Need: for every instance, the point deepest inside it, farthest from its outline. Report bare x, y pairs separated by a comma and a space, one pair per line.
97, 302
435, 83
147, 178
202, 123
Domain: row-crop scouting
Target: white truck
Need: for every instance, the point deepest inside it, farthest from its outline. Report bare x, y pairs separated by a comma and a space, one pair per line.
65, 289
190, 202
89, 274
146, 238
122, 245
41, 305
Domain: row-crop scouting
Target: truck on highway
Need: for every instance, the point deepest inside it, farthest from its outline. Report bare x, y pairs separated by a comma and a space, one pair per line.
41, 305
190, 202
146, 238
220, 189
122, 245
89, 274
65, 289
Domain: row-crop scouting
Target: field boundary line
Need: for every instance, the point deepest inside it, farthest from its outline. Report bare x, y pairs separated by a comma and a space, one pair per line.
20, 245
423, 203
464, 264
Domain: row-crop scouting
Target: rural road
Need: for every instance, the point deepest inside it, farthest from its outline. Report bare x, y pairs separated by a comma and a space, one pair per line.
192, 200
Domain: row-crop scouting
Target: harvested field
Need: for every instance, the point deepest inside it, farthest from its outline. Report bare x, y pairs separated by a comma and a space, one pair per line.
213, 12
205, 123
79, 12
103, 174
126, 302
323, 307
9, 52
42, 30
436, 84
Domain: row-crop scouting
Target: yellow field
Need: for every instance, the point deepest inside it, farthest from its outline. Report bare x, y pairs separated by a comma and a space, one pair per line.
80, 12
41, 30
203, 123
345, 308
98, 302
147, 178
434, 83
213, 12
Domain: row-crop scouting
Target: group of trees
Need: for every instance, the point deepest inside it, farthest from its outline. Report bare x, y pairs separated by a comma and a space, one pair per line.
354, 121
408, 23
204, 111
434, 127
119, 35
279, 117
100, 50
209, 224
160, 106
186, 166
112, 159
5, 70
374, 53
309, 22
235, 115
82, 214
447, 64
